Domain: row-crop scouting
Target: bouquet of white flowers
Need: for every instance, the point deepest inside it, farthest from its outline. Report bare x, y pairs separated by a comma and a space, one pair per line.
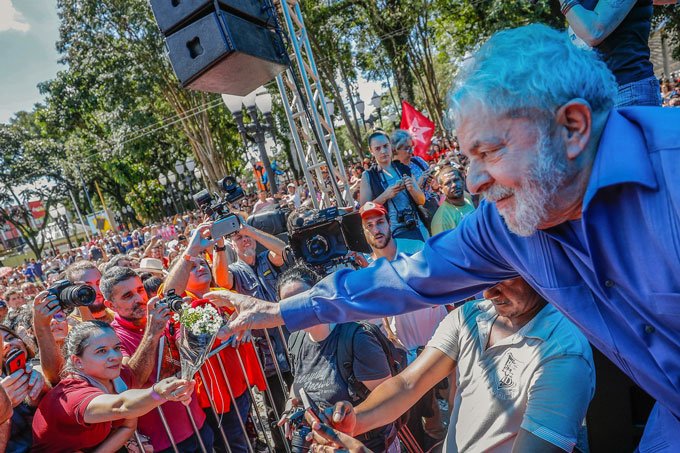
198, 329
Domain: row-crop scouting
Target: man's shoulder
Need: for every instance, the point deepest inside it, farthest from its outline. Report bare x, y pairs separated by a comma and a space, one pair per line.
560, 336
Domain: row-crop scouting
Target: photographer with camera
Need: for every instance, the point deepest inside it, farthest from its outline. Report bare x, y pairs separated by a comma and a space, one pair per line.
141, 324
391, 184
255, 275
87, 272
191, 275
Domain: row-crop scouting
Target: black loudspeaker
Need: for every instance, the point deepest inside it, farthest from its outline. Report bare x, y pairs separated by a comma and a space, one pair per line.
223, 53
171, 15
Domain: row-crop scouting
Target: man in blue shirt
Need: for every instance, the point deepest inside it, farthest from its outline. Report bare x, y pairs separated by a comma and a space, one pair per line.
582, 201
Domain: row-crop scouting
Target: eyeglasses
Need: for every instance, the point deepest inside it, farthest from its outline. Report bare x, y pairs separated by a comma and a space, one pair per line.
59, 317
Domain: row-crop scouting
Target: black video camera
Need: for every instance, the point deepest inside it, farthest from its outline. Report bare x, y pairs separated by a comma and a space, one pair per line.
323, 238
172, 301
225, 223
72, 295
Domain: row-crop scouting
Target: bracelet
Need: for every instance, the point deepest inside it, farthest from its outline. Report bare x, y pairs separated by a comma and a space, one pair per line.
568, 5
219, 249
155, 395
187, 257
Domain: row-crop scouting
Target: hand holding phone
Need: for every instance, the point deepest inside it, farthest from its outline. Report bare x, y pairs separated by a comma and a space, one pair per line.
16, 360
311, 408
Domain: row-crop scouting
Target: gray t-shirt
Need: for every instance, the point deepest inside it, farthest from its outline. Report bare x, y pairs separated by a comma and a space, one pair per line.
540, 379
316, 370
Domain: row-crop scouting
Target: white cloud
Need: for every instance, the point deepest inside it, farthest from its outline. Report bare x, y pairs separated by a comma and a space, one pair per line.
11, 19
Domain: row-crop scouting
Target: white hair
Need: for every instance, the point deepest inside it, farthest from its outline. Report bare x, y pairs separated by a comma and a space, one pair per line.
532, 70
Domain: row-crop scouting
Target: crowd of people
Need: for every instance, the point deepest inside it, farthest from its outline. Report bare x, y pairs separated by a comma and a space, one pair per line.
465, 324
103, 376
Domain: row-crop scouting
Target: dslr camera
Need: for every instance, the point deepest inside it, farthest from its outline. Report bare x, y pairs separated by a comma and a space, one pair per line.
225, 223
172, 301
408, 218
72, 295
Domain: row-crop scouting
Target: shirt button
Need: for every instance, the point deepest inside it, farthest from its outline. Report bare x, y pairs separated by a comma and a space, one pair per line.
649, 328
609, 284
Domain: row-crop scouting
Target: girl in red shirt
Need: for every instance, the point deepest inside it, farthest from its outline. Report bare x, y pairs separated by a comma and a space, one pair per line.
91, 407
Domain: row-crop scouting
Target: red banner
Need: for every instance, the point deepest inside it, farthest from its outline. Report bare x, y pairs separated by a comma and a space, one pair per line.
420, 127
37, 209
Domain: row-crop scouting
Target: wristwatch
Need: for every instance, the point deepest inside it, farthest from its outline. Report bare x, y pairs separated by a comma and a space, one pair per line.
217, 248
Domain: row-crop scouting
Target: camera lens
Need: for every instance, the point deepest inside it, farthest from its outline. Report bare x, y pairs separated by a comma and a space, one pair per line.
317, 246
228, 184
175, 304
77, 296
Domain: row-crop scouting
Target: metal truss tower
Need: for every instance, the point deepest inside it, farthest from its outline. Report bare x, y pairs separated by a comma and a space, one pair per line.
310, 123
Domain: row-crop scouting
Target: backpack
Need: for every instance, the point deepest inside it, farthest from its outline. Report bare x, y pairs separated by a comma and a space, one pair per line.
396, 358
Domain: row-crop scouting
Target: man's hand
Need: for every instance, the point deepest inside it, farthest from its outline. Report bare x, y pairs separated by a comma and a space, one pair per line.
393, 191
200, 239
249, 312
45, 305
16, 386
358, 258
36, 385
329, 440
157, 317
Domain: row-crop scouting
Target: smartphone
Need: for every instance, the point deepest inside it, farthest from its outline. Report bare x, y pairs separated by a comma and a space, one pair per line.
16, 360
311, 407
225, 227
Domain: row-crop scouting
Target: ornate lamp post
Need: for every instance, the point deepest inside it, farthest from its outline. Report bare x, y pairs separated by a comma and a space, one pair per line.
376, 101
255, 131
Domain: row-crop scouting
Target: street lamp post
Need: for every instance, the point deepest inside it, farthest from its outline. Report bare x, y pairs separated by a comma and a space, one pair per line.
190, 165
58, 213
376, 101
261, 100
167, 181
361, 107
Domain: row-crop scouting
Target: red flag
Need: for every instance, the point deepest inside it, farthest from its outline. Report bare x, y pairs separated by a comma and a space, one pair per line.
420, 127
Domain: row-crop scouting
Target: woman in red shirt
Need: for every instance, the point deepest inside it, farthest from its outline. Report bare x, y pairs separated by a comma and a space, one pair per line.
91, 409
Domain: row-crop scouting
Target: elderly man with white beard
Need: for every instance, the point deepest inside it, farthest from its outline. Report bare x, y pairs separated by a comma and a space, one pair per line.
582, 201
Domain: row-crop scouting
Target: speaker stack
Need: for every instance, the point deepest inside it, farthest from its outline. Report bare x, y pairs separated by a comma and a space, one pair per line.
221, 46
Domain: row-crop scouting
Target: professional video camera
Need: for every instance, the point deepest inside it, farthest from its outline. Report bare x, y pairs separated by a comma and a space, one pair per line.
72, 295
225, 222
323, 238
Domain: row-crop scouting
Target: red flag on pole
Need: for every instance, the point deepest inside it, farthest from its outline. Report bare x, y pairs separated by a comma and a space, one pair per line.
420, 127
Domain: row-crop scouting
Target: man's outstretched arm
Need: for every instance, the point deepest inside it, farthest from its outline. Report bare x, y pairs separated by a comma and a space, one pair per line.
451, 267
398, 394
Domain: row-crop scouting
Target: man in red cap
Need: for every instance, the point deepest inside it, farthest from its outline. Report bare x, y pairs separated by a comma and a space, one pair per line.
411, 331
376, 225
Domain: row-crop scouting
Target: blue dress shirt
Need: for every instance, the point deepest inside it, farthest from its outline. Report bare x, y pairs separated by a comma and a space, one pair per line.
615, 273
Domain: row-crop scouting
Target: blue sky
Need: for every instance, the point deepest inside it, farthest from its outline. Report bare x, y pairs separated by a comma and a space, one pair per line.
28, 33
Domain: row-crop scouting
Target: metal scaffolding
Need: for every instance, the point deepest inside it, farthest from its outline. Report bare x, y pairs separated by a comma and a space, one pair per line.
310, 123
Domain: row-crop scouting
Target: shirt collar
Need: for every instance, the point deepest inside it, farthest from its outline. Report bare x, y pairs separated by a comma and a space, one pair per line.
127, 325
540, 327
622, 155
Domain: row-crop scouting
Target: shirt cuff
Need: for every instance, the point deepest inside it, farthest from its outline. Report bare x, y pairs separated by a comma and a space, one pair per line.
296, 310
548, 435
